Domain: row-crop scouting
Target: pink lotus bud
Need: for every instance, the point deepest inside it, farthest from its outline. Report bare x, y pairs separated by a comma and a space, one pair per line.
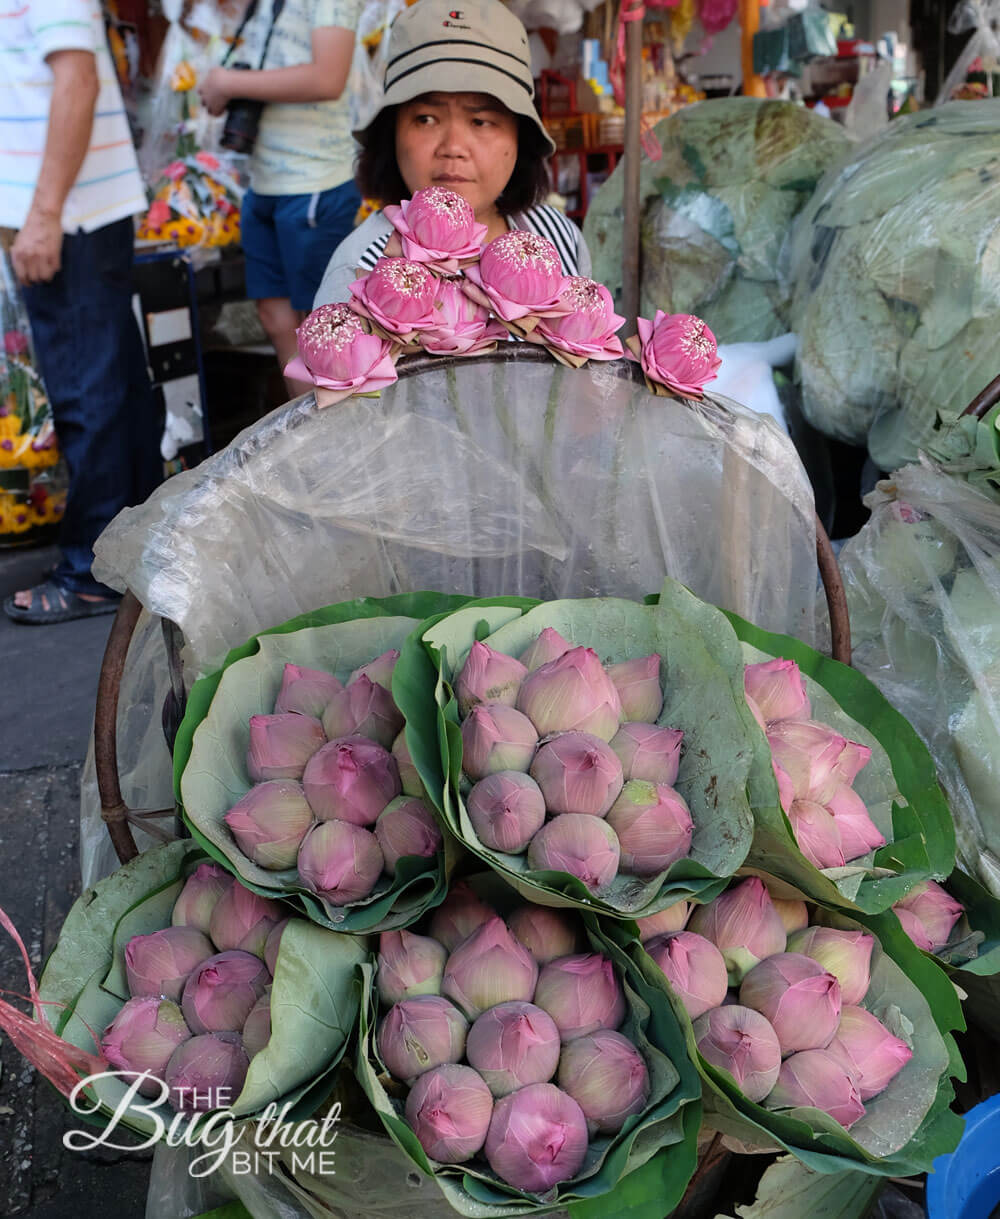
777, 688
816, 834
845, 954
488, 677
364, 708
449, 1110
408, 965
858, 833
257, 1026
462, 327
242, 920
506, 810
546, 933
513, 1045
743, 924
397, 295
379, 670
458, 916
589, 327
756, 712
207, 1072
786, 788
157, 965
306, 691
496, 737
419, 1034
221, 992
281, 745
143, 1036
270, 821
489, 967
816, 759
338, 353
406, 827
794, 914
607, 1077
936, 910
654, 827
674, 918
914, 928
741, 1041
694, 968
437, 227
340, 861
352, 779
272, 945
815, 1079
518, 274
798, 996
678, 351
572, 694
197, 899
409, 777
648, 752
581, 993
584, 846
549, 645
638, 685
867, 1051
578, 773
537, 1138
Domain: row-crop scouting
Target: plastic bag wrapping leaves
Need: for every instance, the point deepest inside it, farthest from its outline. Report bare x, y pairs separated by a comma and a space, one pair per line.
896, 264
923, 584
716, 213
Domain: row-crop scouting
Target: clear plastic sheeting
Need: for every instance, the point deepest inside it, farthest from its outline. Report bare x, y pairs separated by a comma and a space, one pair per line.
717, 210
896, 261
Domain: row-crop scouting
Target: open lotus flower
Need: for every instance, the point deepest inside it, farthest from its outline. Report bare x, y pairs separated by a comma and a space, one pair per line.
488, 676
518, 276
777, 689
581, 993
489, 967
694, 968
648, 752
537, 1138
351, 779
409, 965
397, 296
816, 834
867, 1051
306, 691
462, 327
674, 918
845, 954
449, 1109
340, 356
815, 1078
409, 776
379, 670
270, 821
577, 843
243, 920
741, 1041
207, 1072
281, 745
607, 1077
817, 759
546, 933
221, 992
677, 351
654, 827
257, 1026
340, 861
798, 996
549, 645
743, 924
419, 1034
438, 228
201, 891
406, 827
506, 810
934, 910
577, 773
496, 737
587, 331
459, 915
513, 1045
144, 1035
157, 965
363, 708
571, 694
638, 684
858, 833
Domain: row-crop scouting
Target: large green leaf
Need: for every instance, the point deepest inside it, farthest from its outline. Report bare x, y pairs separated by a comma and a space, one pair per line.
789, 1190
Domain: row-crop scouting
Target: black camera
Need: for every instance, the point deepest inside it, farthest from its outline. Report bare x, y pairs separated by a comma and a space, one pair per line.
242, 120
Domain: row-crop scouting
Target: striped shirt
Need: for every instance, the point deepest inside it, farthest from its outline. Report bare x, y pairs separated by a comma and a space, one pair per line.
108, 186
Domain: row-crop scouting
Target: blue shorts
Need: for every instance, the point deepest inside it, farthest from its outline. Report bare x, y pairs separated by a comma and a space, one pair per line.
288, 240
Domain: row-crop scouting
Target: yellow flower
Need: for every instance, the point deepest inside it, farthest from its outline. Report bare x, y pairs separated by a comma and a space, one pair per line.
183, 79
10, 426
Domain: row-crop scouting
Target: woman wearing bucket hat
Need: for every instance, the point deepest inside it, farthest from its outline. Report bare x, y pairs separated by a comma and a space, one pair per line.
457, 112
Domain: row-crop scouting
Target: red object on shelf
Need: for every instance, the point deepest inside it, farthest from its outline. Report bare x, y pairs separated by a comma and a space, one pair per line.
556, 95
849, 48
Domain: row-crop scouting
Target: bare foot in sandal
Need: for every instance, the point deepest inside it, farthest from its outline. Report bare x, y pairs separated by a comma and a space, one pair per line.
49, 603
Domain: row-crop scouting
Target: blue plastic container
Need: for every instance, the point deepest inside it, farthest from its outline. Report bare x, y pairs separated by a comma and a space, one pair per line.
966, 1183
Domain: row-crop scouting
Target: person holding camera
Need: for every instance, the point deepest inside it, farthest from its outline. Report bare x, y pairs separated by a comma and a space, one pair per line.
286, 106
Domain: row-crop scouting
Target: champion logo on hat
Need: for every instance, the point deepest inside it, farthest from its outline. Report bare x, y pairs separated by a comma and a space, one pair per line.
456, 14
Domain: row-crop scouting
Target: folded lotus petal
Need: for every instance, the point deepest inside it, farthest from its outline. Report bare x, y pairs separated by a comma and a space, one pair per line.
398, 295
520, 274
679, 352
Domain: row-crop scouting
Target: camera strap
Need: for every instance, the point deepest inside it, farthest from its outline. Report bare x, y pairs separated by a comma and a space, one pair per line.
248, 16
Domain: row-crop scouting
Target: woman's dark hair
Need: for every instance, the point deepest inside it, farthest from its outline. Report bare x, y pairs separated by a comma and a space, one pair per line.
377, 173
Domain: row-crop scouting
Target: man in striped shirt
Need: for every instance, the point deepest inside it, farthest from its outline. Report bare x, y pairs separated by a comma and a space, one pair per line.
70, 187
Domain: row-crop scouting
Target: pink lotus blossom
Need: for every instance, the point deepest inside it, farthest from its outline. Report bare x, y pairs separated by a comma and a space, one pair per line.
590, 328
858, 833
814, 1079
461, 327
816, 834
678, 350
934, 910
777, 688
816, 758
438, 228
867, 1051
398, 296
339, 355
518, 275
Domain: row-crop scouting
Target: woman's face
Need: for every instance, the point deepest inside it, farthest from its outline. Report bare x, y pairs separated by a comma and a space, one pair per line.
466, 142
